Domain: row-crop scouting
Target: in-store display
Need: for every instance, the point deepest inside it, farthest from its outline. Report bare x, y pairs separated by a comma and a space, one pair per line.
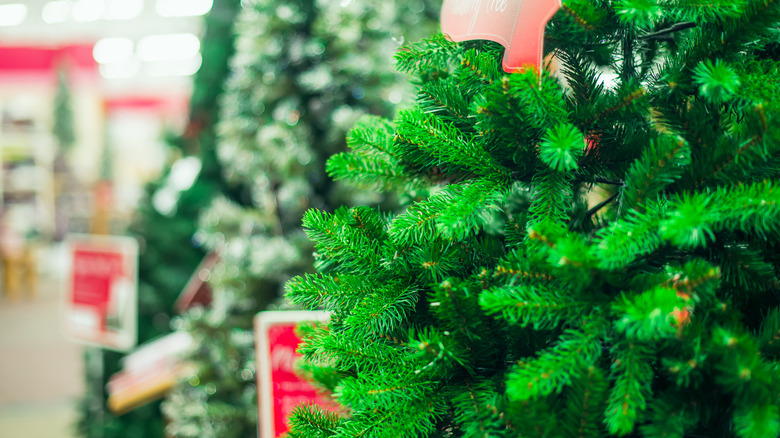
497, 218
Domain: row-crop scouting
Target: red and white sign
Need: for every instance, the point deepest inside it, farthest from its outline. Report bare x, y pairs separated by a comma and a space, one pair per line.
279, 388
101, 304
518, 25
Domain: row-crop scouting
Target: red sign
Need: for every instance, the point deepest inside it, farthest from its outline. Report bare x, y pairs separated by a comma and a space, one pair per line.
279, 388
518, 25
197, 291
100, 305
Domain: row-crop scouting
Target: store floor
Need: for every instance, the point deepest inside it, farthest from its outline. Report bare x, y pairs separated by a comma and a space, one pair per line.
41, 373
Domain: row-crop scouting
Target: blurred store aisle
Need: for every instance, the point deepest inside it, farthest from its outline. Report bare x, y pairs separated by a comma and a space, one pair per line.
41, 373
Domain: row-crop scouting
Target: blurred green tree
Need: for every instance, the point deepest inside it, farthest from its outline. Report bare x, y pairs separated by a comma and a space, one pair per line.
168, 253
303, 73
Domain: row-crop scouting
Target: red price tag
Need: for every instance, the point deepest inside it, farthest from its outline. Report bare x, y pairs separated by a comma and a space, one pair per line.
101, 304
94, 273
518, 25
280, 389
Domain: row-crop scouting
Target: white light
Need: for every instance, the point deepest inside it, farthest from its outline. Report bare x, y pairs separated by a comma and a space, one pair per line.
183, 8
181, 67
124, 9
89, 10
112, 50
609, 80
56, 12
164, 200
120, 70
396, 96
12, 14
183, 173
168, 47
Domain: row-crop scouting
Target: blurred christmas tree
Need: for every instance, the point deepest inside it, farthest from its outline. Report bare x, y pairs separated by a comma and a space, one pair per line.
64, 133
165, 229
303, 73
64, 128
599, 255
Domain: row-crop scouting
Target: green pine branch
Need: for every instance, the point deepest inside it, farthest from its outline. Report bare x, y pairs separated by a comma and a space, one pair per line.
551, 370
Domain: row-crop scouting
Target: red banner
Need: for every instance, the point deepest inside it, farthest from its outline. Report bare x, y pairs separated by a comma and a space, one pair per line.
518, 25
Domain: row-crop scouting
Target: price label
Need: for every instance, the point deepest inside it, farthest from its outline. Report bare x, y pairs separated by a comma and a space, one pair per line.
279, 388
518, 25
101, 301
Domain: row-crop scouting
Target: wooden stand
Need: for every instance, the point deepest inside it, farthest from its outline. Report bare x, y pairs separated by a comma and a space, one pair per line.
20, 274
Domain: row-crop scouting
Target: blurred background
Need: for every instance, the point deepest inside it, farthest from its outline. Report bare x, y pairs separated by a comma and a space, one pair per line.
88, 90
198, 131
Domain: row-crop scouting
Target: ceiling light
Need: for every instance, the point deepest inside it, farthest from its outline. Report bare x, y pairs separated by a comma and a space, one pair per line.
120, 70
112, 50
181, 67
123, 9
168, 47
56, 12
89, 10
12, 14
183, 8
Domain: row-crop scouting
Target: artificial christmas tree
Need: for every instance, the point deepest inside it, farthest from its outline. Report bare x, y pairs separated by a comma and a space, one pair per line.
598, 255
303, 73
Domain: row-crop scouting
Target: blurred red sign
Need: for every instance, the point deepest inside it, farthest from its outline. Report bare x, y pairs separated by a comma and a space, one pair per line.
197, 291
40, 63
518, 25
101, 303
279, 388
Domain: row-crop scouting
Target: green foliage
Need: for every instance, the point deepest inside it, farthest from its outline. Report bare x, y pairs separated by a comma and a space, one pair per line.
477, 410
304, 71
639, 13
632, 376
671, 416
212, 402
593, 254
585, 402
544, 307
717, 82
551, 198
757, 421
648, 316
313, 422
372, 155
552, 369
63, 129
770, 333
561, 148
660, 164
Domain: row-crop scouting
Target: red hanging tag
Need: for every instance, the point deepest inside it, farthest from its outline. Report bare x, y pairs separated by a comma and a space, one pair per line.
518, 25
